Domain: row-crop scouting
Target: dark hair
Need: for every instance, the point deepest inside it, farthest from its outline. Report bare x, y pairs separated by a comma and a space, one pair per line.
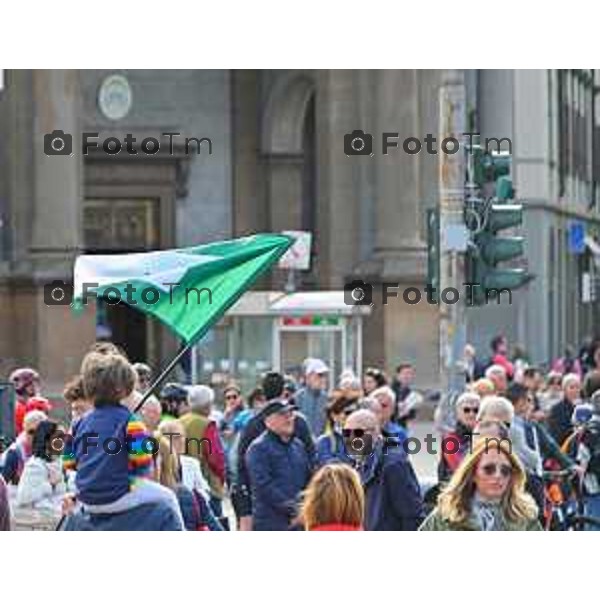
341, 400
403, 366
377, 375
496, 341
516, 392
272, 385
255, 394
172, 396
74, 390
591, 383
40, 446
531, 372
107, 348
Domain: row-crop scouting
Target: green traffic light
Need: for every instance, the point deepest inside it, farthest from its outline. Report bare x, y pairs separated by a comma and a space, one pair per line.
504, 188
504, 279
502, 216
496, 249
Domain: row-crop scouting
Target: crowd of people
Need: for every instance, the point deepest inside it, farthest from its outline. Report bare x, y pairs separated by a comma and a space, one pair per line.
293, 455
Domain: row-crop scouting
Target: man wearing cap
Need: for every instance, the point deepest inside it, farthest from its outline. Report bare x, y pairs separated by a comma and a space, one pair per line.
279, 467
312, 399
272, 384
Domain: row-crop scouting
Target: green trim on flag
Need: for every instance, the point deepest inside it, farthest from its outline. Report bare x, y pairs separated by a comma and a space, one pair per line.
227, 269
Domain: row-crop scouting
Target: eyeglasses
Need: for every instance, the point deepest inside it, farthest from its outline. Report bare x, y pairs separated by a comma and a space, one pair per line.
354, 433
473, 410
492, 469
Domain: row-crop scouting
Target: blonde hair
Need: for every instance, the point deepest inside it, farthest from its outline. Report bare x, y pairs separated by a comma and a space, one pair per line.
167, 471
454, 503
483, 386
107, 378
334, 495
173, 427
495, 405
569, 379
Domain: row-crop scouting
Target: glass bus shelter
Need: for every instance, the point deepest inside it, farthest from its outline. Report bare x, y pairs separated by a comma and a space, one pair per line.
276, 330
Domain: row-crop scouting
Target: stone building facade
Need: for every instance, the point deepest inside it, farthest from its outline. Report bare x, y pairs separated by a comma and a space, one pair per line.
276, 163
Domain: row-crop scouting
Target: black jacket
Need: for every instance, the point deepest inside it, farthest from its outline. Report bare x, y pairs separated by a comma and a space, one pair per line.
559, 421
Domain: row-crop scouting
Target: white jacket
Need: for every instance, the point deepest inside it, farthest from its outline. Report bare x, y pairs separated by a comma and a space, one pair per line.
191, 475
34, 486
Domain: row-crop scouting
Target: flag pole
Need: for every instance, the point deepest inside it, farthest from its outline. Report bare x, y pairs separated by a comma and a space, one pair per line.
163, 375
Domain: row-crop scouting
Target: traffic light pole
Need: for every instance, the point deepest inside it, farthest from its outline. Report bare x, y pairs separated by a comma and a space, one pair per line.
452, 325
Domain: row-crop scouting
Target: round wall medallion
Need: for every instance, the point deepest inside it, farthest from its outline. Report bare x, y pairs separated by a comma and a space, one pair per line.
114, 97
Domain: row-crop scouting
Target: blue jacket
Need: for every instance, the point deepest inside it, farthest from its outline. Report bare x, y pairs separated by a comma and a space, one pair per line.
392, 493
147, 517
279, 470
251, 432
312, 403
101, 477
330, 448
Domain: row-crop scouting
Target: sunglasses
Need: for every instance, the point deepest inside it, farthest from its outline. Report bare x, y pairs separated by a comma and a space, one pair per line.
492, 469
355, 433
470, 410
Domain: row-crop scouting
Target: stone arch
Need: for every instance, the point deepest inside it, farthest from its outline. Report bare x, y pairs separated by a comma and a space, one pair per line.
284, 115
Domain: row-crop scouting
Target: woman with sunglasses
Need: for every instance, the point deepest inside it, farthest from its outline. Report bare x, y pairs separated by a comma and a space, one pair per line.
330, 446
457, 443
486, 493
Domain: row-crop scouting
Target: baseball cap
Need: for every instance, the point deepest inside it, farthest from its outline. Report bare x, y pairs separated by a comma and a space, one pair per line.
315, 365
276, 406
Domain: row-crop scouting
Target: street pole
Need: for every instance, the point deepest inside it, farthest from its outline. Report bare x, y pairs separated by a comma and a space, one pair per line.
452, 332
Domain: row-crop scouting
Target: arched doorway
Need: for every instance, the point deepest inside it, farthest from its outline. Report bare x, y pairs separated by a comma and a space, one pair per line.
289, 152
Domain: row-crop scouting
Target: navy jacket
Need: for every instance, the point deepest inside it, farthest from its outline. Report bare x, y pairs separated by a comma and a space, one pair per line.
102, 477
147, 517
254, 428
392, 492
279, 470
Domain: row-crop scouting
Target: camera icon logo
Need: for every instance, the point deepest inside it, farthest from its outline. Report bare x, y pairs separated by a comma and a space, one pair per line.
358, 143
58, 293
357, 442
358, 293
57, 443
58, 143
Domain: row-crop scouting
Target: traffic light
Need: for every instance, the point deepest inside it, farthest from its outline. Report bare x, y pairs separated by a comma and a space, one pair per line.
492, 168
487, 249
491, 173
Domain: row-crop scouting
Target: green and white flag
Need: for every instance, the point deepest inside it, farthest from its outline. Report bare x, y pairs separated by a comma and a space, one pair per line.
188, 289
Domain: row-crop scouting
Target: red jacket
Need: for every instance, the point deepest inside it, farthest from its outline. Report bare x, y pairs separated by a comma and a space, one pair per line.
500, 359
20, 411
337, 527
